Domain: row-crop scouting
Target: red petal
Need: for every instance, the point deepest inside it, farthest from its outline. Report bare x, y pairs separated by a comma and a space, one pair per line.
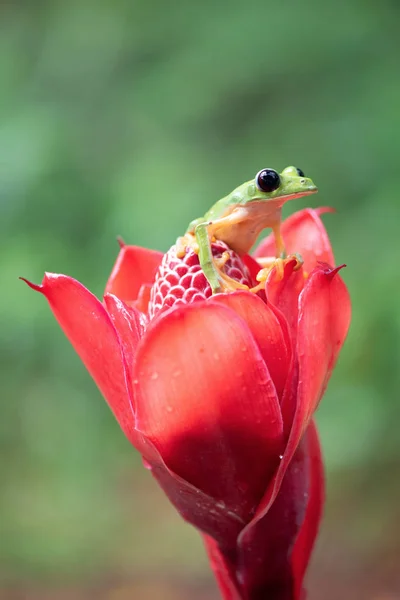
324, 319
252, 266
264, 556
267, 332
134, 267
196, 507
267, 565
143, 298
90, 330
316, 495
128, 323
206, 400
88, 327
223, 570
283, 292
302, 232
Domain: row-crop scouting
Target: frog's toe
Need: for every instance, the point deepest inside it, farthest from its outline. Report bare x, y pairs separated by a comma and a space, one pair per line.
279, 265
298, 258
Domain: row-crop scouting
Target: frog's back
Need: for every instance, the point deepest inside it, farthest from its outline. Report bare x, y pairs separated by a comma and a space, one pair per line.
218, 210
222, 208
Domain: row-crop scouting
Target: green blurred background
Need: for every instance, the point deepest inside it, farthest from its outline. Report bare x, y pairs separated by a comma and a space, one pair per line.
131, 118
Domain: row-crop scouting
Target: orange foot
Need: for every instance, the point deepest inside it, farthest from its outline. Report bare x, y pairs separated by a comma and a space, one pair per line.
278, 264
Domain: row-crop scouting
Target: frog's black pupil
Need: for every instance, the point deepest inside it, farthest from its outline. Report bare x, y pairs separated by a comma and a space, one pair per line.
268, 180
300, 173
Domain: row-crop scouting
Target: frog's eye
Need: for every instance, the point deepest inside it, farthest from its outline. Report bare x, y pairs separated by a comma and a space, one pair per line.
300, 173
268, 180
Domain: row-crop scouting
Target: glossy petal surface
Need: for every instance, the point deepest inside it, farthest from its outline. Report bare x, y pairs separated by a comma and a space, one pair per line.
265, 547
130, 328
324, 319
206, 400
316, 495
197, 507
283, 292
91, 332
134, 267
266, 330
223, 569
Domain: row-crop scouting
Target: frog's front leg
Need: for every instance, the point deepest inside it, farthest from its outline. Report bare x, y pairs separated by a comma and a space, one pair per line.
212, 267
279, 260
268, 263
279, 243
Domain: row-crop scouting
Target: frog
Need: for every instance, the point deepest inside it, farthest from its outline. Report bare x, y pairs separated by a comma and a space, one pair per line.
238, 219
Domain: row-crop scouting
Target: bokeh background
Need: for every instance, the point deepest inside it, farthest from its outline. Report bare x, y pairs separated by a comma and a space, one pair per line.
131, 118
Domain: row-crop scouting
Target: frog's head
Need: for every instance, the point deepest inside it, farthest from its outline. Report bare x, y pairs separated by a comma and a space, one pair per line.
280, 187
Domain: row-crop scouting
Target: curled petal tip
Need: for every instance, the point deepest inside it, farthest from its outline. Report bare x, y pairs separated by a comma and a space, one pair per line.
34, 286
331, 271
121, 242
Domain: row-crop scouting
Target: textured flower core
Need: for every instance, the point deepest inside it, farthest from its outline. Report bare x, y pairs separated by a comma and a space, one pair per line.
182, 281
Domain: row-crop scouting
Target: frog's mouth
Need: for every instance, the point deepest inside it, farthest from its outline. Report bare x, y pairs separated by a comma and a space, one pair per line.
283, 199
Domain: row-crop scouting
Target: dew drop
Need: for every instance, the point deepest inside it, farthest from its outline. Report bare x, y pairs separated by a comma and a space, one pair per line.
280, 456
154, 375
169, 409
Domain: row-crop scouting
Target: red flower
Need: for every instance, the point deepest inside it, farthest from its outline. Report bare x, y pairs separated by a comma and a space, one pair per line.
218, 393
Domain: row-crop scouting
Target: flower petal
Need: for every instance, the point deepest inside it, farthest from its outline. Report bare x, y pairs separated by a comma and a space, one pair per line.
223, 569
91, 332
130, 327
252, 266
195, 506
324, 319
273, 555
316, 495
264, 549
134, 267
302, 232
283, 292
267, 331
206, 400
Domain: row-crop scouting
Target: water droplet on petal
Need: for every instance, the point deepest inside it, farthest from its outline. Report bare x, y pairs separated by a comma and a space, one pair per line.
154, 375
169, 409
280, 456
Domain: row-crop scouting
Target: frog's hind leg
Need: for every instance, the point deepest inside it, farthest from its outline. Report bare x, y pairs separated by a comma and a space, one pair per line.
188, 240
212, 267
